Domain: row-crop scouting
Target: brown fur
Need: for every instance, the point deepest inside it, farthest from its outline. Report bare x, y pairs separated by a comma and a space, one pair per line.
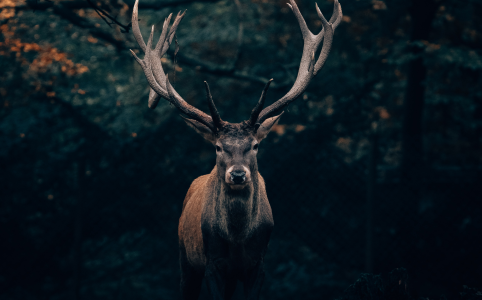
226, 223
190, 235
243, 216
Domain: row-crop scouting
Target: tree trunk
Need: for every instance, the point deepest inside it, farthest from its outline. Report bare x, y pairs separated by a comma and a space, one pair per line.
422, 13
371, 188
79, 173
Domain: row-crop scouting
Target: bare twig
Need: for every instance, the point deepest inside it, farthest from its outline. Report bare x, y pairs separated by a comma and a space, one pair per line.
82, 4
65, 11
103, 14
207, 67
75, 19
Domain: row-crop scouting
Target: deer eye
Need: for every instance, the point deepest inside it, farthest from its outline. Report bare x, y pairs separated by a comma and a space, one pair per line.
255, 147
218, 149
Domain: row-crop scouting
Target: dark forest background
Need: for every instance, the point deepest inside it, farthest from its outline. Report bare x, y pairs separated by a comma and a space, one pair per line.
377, 166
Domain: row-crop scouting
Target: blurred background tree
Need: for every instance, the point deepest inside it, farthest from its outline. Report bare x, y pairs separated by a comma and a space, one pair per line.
376, 166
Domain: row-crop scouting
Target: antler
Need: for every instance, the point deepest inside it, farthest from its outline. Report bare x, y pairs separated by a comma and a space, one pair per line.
257, 109
158, 80
308, 68
212, 108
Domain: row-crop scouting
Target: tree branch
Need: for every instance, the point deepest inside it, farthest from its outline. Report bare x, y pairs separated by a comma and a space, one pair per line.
210, 68
75, 19
81, 4
65, 9
104, 15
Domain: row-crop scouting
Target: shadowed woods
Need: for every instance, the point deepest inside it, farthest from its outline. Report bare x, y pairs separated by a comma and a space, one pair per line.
394, 286
377, 165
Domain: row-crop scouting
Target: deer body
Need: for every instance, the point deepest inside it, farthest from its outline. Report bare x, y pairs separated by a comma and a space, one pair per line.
223, 231
226, 219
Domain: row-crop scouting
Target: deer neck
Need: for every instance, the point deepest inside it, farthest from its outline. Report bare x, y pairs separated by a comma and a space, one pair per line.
237, 210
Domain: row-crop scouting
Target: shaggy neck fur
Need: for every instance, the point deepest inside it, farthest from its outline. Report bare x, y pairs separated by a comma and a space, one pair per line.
236, 210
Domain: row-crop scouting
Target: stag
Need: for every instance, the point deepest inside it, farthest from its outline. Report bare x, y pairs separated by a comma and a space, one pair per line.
226, 219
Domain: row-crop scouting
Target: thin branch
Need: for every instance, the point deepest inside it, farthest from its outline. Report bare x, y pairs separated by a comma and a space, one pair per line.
104, 15
64, 10
207, 67
75, 19
187, 60
81, 4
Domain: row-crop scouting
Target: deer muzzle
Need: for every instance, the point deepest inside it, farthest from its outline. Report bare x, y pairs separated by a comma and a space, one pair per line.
238, 177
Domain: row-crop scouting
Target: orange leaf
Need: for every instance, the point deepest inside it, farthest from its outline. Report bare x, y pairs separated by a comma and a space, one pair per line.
92, 39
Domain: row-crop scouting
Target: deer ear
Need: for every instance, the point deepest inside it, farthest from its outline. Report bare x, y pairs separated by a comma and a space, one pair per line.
265, 128
202, 129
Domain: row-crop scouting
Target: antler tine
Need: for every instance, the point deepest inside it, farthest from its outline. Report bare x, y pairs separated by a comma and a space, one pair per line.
154, 96
157, 55
335, 19
301, 21
308, 68
152, 67
218, 123
135, 27
166, 37
327, 33
189, 110
173, 29
162, 38
161, 48
339, 15
173, 96
259, 106
146, 67
327, 41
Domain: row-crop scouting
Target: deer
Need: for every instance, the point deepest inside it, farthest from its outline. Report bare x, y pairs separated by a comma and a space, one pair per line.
226, 219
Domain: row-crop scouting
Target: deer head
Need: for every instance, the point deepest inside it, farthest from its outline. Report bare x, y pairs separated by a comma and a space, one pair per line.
236, 144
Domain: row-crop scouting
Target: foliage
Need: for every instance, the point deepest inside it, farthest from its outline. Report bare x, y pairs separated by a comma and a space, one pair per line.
92, 180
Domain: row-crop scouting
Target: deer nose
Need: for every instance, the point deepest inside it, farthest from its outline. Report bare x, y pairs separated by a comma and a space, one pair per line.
238, 176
